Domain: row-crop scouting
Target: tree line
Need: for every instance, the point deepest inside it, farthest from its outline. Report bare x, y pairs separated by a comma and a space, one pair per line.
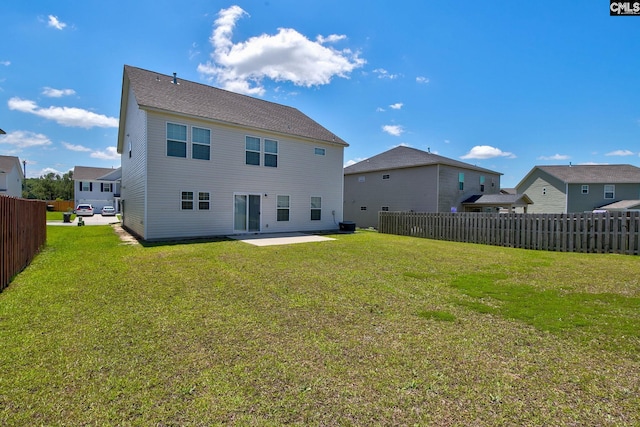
49, 187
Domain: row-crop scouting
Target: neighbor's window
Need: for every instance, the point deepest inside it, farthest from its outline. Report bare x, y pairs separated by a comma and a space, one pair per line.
319, 151
85, 186
283, 208
203, 201
363, 208
461, 181
187, 200
129, 149
585, 189
385, 208
252, 150
106, 187
481, 183
201, 143
271, 153
544, 190
316, 208
361, 179
386, 176
176, 140
609, 191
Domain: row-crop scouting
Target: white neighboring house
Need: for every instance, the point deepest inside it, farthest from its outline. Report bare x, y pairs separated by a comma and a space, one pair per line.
99, 187
11, 176
201, 161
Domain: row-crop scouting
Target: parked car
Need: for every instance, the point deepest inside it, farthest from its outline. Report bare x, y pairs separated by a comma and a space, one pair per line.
84, 210
108, 211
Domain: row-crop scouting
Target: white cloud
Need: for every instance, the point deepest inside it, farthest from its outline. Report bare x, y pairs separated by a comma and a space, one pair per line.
65, 116
422, 80
111, 153
395, 130
446, 141
486, 152
285, 56
54, 22
620, 153
384, 74
380, 110
73, 147
25, 139
57, 93
555, 157
5, 63
396, 106
354, 161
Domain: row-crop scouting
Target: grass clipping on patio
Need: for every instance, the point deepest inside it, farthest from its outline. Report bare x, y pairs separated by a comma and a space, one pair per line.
367, 329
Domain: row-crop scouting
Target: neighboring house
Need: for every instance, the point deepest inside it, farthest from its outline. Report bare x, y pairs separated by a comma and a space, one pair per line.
621, 206
99, 187
581, 188
11, 176
201, 161
407, 179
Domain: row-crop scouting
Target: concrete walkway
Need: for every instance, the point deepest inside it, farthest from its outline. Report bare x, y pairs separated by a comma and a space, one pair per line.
279, 238
89, 220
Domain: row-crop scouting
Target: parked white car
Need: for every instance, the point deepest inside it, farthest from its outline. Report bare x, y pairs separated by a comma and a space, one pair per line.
84, 210
108, 211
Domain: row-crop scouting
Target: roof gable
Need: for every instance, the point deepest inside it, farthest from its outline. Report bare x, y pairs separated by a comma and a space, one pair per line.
92, 174
8, 163
407, 157
591, 174
156, 91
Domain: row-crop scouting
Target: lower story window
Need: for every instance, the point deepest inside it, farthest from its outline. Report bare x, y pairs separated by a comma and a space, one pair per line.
187, 200
283, 208
385, 208
203, 201
316, 208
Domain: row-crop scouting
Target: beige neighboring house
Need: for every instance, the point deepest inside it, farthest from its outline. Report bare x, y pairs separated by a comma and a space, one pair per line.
408, 179
581, 188
99, 187
11, 176
200, 161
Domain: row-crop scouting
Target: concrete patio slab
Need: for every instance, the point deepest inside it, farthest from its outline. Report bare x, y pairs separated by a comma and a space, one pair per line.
279, 238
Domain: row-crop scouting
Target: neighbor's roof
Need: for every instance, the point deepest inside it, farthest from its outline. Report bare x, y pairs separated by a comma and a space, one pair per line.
156, 91
407, 157
9, 162
90, 173
499, 199
622, 205
592, 174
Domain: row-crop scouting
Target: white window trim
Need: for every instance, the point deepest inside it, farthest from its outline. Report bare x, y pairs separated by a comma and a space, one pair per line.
197, 207
613, 191
319, 151
287, 208
200, 143
193, 201
311, 208
167, 139
252, 151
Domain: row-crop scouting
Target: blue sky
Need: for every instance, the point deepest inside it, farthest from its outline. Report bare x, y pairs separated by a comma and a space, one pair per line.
500, 84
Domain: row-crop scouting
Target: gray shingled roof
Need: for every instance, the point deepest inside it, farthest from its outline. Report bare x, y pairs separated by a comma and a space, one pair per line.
90, 173
406, 157
594, 174
7, 163
499, 199
156, 91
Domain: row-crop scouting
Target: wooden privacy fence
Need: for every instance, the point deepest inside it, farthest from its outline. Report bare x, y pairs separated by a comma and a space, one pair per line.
23, 231
613, 232
61, 205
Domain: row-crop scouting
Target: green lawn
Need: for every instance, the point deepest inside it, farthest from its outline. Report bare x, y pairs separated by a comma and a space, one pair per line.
368, 329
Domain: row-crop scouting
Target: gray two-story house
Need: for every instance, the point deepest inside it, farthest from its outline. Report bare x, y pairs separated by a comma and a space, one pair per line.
408, 179
580, 188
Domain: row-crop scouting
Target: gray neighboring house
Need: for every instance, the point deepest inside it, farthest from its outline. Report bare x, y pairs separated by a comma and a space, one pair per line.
408, 179
581, 188
99, 187
200, 161
11, 176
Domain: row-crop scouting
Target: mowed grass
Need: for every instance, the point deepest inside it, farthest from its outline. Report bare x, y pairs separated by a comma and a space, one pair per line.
367, 329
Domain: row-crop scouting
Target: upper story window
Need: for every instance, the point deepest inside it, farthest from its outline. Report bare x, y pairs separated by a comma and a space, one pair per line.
609, 191
106, 187
461, 181
86, 186
361, 179
252, 147
271, 153
585, 189
481, 183
386, 176
544, 191
319, 151
385, 208
176, 140
201, 143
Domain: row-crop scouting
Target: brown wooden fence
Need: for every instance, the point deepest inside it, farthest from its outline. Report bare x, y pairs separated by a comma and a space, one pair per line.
23, 232
61, 205
615, 232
